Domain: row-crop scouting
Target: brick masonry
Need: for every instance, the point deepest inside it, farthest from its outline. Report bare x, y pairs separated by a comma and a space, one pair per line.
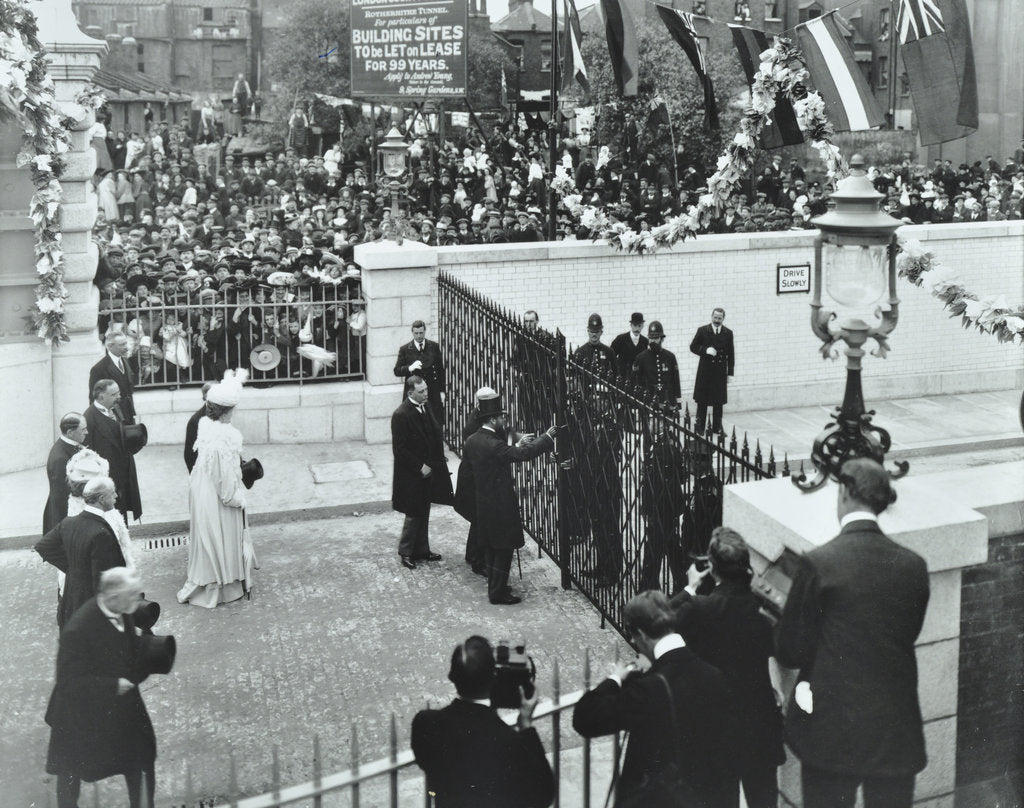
990, 712
777, 355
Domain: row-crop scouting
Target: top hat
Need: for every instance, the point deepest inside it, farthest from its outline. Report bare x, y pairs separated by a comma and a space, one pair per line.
146, 615
489, 407
135, 437
655, 330
636, 318
252, 470
156, 654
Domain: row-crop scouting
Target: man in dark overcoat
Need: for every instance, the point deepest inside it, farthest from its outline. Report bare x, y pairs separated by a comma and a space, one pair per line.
497, 506
105, 423
850, 622
420, 473
663, 501
99, 726
470, 756
656, 370
422, 357
82, 547
192, 431
114, 365
465, 490
713, 343
680, 715
629, 344
73, 431
727, 629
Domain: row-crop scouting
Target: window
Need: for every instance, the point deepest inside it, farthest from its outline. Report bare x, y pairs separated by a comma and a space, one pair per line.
771, 10
741, 11
809, 13
518, 44
904, 85
883, 24
700, 8
883, 73
545, 54
207, 14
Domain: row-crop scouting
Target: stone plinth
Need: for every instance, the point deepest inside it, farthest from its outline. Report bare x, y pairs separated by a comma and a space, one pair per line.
947, 519
397, 286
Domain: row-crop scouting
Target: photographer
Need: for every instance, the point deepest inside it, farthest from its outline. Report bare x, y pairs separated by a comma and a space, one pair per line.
471, 757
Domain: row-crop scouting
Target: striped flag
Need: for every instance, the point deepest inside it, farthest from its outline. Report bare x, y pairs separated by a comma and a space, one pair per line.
849, 103
784, 129
938, 55
620, 31
681, 26
573, 68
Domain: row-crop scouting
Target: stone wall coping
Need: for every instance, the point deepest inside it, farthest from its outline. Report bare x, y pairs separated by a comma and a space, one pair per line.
380, 255
996, 490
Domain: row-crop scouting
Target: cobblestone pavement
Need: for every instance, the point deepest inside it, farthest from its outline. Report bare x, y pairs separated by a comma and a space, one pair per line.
337, 633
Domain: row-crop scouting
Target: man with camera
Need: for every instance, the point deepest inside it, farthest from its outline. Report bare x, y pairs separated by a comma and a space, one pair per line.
471, 757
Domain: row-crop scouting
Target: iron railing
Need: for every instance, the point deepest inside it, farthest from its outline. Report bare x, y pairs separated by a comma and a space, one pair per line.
176, 344
633, 493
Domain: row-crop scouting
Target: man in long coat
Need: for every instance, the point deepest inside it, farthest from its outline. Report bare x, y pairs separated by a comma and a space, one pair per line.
99, 726
83, 547
850, 623
465, 490
497, 506
114, 365
420, 472
73, 431
422, 357
105, 422
713, 343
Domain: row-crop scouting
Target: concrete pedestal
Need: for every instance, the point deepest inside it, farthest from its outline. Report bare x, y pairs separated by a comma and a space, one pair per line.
932, 516
397, 289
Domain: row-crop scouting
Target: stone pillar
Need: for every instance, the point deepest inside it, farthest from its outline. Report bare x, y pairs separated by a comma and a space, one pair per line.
777, 520
396, 286
74, 58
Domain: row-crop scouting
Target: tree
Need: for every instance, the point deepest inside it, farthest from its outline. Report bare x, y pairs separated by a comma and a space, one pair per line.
666, 73
486, 59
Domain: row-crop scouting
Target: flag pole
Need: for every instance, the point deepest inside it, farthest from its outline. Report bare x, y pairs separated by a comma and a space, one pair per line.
893, 55
553, 123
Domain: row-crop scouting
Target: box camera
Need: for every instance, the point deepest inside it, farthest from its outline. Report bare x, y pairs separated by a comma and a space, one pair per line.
512, 669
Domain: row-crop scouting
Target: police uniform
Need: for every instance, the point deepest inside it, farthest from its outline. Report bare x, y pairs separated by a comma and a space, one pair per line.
598, 357
657, 370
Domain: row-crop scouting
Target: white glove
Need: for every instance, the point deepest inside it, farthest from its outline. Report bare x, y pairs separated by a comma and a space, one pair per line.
711, 352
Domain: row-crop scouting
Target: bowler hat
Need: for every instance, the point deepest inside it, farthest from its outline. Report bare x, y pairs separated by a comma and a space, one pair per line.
655, 329
135, 437
636, 318
156, 654
489, 407
252, 470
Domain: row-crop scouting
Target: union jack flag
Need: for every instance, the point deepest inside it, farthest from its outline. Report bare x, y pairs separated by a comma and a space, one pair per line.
916, 19
691, 29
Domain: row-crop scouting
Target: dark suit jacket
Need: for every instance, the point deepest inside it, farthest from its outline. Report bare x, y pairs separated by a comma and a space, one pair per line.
416, 442
106, 438
82, 547
191, 433
106, 369
658, 371
432, 371
96, 733
850, 622
726, 629
497, 506
711, 386
465, 489
472, 758
56, 472
626, 353
704, 727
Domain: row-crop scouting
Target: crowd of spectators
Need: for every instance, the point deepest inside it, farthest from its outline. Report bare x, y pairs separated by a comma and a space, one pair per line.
264, 242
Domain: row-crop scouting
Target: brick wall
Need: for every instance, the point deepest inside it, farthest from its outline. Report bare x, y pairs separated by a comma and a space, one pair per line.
990, 711
778, 363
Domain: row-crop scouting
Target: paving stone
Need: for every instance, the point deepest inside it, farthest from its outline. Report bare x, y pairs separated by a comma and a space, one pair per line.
340, 472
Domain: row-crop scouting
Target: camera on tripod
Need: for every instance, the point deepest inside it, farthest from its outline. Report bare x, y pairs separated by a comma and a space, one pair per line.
513, 669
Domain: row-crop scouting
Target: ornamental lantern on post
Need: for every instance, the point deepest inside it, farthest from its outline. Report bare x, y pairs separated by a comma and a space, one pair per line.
393, 163
855, 267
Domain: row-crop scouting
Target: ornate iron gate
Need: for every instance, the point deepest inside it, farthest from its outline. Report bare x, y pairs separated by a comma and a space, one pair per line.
631, 494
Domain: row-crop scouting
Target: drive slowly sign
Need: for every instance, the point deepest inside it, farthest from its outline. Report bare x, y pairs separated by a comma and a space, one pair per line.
402, 48
792, 278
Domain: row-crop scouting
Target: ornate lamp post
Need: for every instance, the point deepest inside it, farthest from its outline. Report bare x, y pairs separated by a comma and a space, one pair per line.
393, 157
855, 265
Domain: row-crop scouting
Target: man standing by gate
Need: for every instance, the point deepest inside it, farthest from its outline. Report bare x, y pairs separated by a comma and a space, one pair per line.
713, 344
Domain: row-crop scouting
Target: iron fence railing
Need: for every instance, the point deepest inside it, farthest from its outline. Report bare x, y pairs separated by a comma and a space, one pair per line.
632, 493
300, 337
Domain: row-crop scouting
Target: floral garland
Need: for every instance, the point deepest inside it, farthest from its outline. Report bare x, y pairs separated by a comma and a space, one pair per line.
27, 97
782, 72
992, 315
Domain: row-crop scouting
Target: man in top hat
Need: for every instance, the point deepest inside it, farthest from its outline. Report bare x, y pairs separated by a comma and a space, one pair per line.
713, 343
73, 431
657, 370
422, 357
99, 726
114, 365
497, 506
629, 344
106, 437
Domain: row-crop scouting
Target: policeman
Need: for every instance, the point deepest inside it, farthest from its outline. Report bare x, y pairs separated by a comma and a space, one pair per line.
657, 370
594, 354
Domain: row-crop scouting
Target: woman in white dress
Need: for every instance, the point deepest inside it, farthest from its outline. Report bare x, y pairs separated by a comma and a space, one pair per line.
216, 497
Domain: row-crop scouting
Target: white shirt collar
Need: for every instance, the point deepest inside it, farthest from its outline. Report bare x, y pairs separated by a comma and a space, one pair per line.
484, 702
105, 610
489, 428
417, 406
858, 516
66, 439
419, 345
102, 409
670, 642
116, 360
93, 509
635, 338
